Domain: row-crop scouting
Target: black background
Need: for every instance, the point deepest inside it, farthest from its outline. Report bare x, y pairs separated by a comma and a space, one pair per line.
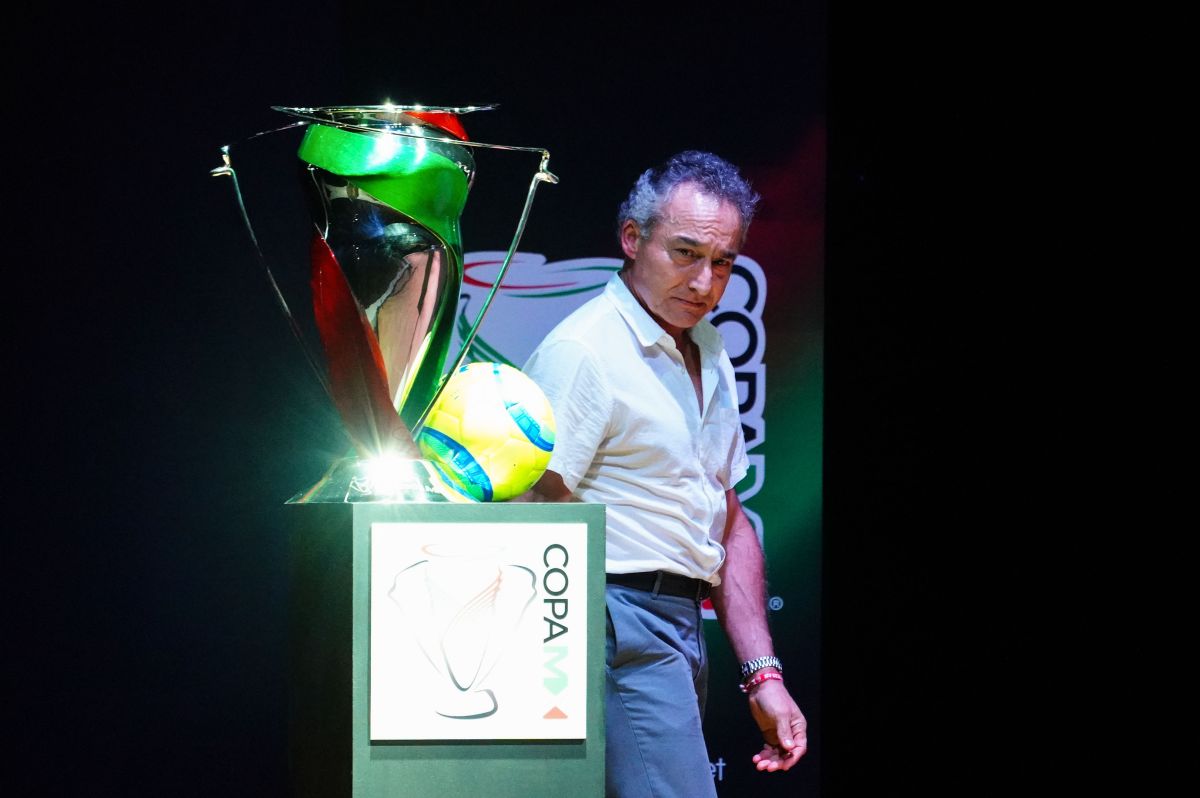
146, 631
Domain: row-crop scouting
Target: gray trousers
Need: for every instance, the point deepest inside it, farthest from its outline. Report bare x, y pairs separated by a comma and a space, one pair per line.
656, 686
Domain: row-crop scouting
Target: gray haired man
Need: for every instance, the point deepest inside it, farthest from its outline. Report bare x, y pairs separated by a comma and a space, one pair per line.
647, 422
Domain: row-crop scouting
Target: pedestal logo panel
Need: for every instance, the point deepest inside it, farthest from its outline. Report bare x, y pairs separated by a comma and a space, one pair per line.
478, 631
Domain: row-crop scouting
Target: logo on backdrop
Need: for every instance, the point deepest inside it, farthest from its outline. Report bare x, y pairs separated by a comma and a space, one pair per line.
536, 295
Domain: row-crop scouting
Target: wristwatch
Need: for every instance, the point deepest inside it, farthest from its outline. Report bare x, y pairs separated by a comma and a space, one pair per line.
760, 663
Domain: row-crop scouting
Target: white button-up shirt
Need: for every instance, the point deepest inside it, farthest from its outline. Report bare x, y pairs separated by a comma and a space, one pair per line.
630, 433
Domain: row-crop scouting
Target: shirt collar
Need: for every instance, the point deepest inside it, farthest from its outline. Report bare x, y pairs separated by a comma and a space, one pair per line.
647, 330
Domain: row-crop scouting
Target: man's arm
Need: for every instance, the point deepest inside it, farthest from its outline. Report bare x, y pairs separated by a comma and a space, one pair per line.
740, 602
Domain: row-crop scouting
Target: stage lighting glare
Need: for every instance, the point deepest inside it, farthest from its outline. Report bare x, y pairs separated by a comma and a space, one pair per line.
390, 475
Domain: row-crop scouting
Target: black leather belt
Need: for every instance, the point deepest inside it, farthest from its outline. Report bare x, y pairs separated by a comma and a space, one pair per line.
663, 582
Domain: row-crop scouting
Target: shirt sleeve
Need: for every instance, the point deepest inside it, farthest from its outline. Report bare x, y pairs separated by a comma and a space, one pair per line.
574, 381
739, 464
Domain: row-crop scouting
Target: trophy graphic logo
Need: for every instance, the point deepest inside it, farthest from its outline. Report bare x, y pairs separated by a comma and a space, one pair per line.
478, 629
386, 187
463, 606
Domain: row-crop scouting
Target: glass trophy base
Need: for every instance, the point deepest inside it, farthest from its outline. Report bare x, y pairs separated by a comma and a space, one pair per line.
353, 480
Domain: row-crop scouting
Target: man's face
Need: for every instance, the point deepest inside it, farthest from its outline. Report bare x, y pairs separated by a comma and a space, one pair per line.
681, 271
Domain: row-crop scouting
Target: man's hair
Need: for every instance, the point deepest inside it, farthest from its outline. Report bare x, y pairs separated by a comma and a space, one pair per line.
713, 174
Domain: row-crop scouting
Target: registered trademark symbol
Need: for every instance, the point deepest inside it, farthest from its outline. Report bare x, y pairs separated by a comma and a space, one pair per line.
776, 603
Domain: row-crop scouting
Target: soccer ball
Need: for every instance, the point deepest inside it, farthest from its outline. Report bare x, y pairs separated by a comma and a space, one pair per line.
490, 432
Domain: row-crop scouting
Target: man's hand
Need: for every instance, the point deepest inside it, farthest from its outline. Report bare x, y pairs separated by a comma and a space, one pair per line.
549, 488
784, 729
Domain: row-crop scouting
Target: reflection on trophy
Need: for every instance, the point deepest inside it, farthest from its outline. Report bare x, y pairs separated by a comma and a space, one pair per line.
463, 607
387, 185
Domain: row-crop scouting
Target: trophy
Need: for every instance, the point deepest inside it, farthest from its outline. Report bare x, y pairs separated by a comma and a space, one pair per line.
386, 187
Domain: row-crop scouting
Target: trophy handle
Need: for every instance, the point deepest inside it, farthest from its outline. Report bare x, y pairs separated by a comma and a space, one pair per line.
543, 175
227, 170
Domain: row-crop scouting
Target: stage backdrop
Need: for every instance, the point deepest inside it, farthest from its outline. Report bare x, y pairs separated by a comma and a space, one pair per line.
183, 415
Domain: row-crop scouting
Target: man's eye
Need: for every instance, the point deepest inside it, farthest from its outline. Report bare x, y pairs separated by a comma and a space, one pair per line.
685, 253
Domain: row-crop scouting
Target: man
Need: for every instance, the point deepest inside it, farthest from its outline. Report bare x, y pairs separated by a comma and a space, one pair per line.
647, 423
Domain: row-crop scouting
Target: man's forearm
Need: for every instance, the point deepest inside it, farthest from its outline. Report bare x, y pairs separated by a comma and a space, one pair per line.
740, 599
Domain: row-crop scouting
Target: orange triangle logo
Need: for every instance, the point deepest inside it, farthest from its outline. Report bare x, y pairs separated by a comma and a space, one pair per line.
555, 714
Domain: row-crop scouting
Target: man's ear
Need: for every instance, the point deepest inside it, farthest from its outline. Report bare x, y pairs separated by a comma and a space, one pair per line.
631, 238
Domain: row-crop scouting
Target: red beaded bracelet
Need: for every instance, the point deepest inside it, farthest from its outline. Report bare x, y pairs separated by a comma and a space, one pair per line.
759, 678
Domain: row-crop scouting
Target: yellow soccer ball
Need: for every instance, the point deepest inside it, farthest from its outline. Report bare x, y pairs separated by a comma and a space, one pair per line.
490, 432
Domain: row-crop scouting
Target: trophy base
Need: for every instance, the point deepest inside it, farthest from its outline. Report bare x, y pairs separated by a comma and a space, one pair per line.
352, 480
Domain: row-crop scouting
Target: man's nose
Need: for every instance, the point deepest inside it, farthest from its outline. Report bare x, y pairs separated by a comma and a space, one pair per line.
702, 276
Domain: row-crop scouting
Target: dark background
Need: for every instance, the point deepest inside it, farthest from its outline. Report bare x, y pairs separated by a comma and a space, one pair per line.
145, 601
